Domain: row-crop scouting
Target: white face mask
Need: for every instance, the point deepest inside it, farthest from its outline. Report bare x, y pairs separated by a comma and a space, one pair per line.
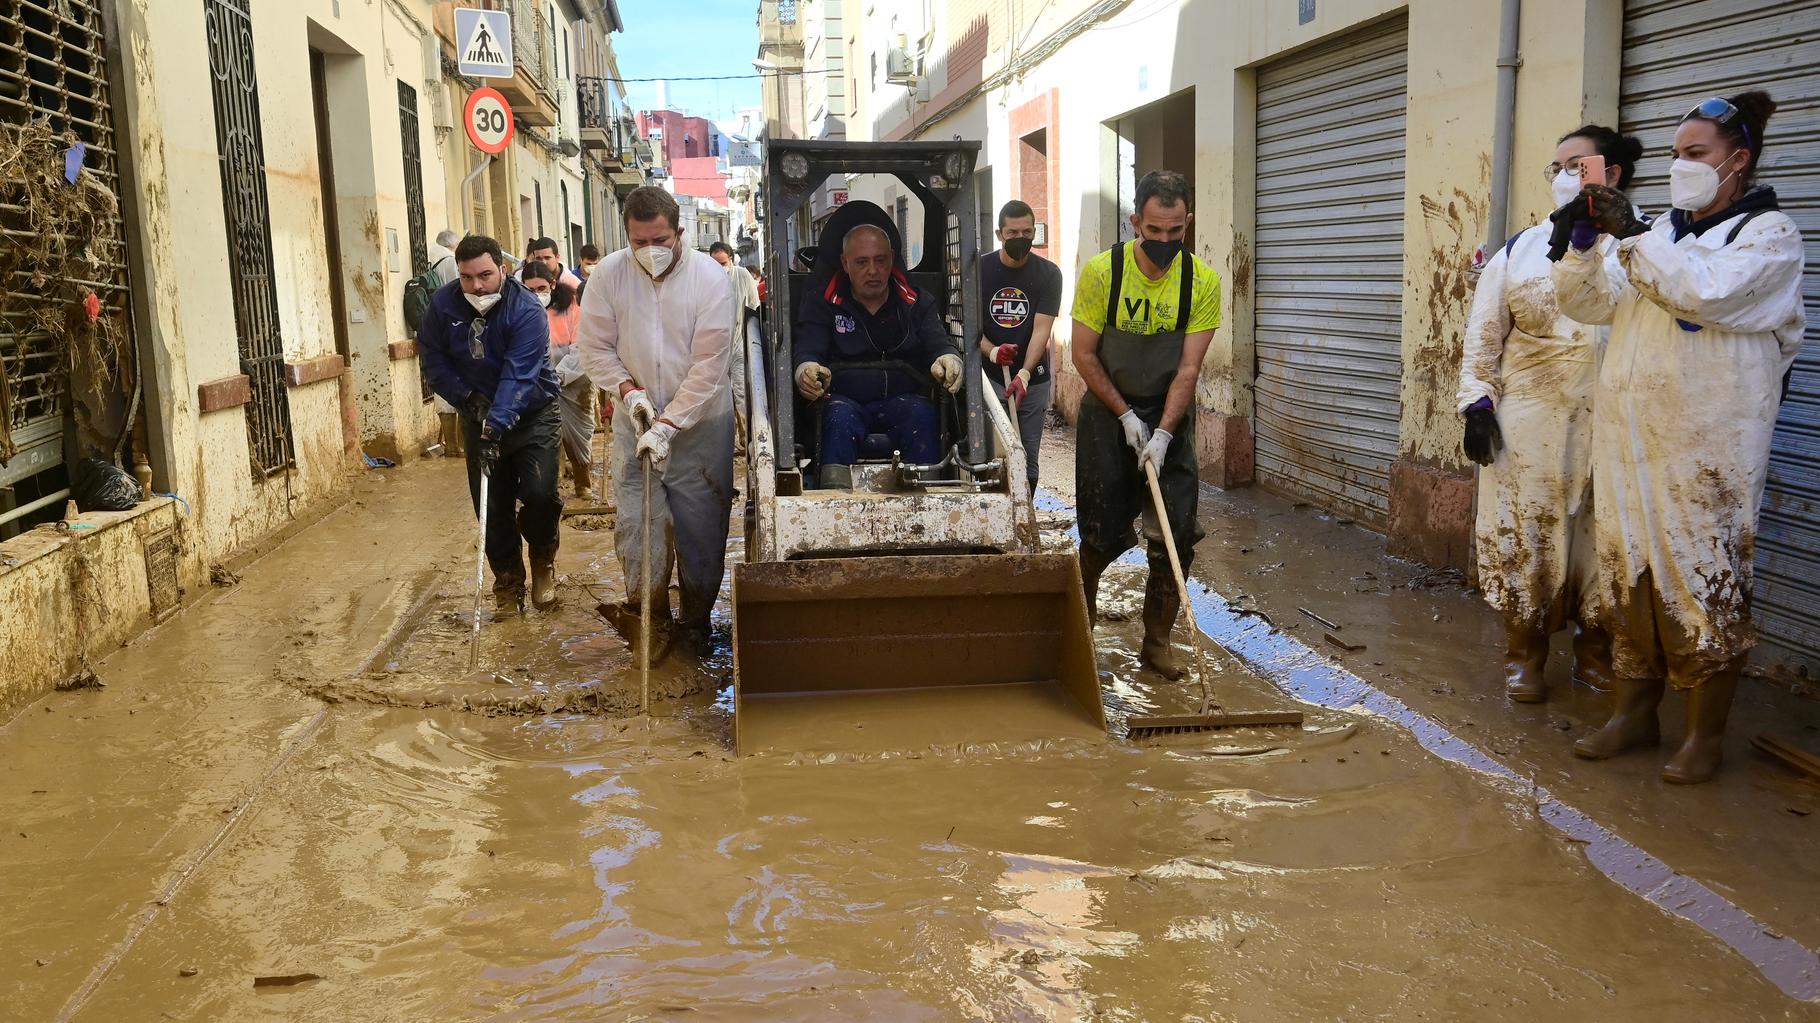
482, 303
655, 259
1565, 186
543, 298
1693, 185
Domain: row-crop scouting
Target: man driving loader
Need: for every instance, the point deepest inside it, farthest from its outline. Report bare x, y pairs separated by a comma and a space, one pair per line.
868, 343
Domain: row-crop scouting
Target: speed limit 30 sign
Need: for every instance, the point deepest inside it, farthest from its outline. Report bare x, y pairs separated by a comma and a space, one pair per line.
489, 120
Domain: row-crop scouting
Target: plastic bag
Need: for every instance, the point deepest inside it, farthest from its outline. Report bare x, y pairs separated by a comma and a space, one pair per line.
103, 486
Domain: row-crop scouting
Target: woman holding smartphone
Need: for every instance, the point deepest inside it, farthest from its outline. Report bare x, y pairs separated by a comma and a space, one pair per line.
1526, 393
1706, 318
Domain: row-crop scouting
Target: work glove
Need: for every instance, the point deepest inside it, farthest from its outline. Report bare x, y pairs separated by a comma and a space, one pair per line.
654, 444
1483, 438
1136, 433
489, 450
1155, 449
1566, 219
1002, 355
639, 407
812, 380
1612, 210
1019, 385
1584, 236
476, 406
946, 369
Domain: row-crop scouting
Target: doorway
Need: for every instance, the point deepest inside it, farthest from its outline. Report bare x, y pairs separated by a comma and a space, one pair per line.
1159, 136
331, 234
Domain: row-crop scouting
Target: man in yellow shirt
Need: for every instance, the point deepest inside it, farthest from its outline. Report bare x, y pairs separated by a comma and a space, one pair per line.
1144, 314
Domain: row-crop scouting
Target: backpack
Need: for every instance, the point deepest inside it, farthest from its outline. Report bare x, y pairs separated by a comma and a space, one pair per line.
417, 294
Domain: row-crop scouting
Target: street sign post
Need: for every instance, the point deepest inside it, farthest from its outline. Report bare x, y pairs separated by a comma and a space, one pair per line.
483, 43
488, 118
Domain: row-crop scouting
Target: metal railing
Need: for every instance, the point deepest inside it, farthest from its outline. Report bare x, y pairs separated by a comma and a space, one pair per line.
534, 44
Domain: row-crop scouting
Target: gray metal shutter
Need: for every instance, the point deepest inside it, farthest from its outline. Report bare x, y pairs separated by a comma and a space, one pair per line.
1329, 254
1676, 53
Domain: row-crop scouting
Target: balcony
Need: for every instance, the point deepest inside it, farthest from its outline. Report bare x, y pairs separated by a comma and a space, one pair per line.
603, 131
532, 89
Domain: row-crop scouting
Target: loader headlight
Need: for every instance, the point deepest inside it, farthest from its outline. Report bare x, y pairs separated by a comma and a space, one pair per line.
956, 165
795, 167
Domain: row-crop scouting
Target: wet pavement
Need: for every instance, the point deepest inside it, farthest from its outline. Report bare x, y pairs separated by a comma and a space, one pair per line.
298, 776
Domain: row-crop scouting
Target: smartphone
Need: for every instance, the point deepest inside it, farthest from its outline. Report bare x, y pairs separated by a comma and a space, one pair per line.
1592, 170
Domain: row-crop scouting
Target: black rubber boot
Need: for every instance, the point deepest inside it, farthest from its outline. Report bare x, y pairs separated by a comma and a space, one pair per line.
543, 579
1161, 606
1092, 564
509, 592
1592, 657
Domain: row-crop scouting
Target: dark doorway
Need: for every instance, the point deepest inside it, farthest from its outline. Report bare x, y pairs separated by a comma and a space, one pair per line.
331, 240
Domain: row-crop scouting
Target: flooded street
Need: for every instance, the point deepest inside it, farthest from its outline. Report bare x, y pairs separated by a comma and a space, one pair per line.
291, 802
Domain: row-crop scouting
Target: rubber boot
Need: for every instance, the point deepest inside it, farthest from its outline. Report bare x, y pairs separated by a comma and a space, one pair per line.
509, 592
1093, 563
1708, 705
1592, 657
1161, 605
543, 579
1525, 662
1633, 720
583, 475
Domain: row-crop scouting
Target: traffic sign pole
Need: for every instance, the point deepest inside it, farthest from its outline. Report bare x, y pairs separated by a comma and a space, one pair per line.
488, 120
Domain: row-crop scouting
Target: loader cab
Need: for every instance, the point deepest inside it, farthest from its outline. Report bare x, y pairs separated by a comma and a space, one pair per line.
800, 264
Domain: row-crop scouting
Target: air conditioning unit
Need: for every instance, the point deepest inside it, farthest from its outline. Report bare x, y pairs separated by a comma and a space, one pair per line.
900, 67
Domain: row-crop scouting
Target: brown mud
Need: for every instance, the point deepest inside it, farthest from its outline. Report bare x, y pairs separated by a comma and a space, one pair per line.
438, 847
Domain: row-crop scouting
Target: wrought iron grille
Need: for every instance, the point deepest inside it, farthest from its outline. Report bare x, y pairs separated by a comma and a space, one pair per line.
52, 74
241, 145
413, 178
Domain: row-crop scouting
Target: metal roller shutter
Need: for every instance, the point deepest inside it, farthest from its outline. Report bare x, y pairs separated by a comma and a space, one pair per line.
1676, 53
1329, 265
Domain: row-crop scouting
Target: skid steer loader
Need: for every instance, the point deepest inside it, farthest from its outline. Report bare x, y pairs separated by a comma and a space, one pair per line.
915, 607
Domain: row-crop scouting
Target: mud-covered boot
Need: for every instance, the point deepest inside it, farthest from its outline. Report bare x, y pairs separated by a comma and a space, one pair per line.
1633, 720
1525, 662
624, 618
509, 592
1161, 605
1093, 563
1708, 706
1592, 657
543, 579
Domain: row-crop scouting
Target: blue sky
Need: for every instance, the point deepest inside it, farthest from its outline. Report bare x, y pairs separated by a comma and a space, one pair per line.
713, 37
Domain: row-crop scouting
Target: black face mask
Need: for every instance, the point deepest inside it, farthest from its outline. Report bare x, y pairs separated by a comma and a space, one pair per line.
1160, 252
1017, 248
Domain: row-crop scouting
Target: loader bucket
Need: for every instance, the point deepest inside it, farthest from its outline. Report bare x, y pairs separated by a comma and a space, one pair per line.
895, 652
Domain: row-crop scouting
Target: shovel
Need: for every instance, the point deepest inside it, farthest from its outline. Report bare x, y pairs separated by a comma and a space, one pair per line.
480, 574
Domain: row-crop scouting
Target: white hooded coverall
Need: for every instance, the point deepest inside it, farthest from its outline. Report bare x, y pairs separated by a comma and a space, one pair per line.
674, 339
1539, 368
1681, 435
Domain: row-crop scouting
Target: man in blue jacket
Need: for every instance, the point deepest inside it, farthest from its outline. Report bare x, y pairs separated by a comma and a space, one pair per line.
869, 343
485, 346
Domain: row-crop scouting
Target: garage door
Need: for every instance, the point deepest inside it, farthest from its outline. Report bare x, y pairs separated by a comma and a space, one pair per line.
1677, 52
1329, 271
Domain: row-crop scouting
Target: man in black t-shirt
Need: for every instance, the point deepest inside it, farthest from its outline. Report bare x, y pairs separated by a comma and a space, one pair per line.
1022, 295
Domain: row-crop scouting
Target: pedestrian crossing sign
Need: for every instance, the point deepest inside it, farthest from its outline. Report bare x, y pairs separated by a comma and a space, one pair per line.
485, 41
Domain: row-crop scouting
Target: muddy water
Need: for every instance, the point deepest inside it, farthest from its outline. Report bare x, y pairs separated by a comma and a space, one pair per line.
496, 863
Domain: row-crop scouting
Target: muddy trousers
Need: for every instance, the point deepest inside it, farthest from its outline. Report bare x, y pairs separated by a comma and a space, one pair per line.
691, 502
1032, 413
523, 508
576, 401
1111, 493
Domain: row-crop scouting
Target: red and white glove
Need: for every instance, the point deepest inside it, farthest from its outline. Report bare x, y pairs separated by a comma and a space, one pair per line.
1019, 385
1002, 355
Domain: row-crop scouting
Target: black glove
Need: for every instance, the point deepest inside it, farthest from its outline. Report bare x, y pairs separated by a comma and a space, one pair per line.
1564, 219
1613, 212
476, 406
1483, 438
489, 451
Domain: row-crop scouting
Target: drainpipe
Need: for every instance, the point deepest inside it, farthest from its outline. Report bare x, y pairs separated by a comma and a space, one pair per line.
1503, 124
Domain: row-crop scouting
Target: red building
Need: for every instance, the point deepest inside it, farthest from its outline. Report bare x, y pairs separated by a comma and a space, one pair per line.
682, 137
699, 176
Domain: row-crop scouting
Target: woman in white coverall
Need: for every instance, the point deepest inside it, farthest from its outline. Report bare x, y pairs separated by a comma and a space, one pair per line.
1526, 393
1706, 319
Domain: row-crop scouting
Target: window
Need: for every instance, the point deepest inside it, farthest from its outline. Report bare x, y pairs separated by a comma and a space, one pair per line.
413, 201
240, 144
537, 193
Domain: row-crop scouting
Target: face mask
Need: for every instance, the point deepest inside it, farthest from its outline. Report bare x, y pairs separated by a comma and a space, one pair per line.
1693, 185
655, 259
543, 298
1017, 248
1566, 186
1161, 253
482, 303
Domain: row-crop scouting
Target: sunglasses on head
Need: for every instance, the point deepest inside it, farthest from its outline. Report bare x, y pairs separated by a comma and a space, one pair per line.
477, 330
1720, 111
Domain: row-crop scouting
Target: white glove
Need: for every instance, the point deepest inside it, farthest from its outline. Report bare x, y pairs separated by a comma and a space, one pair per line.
1136, 433
1002, 355
639, 407
1154, 451
655, 444
812, 380
946, 369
